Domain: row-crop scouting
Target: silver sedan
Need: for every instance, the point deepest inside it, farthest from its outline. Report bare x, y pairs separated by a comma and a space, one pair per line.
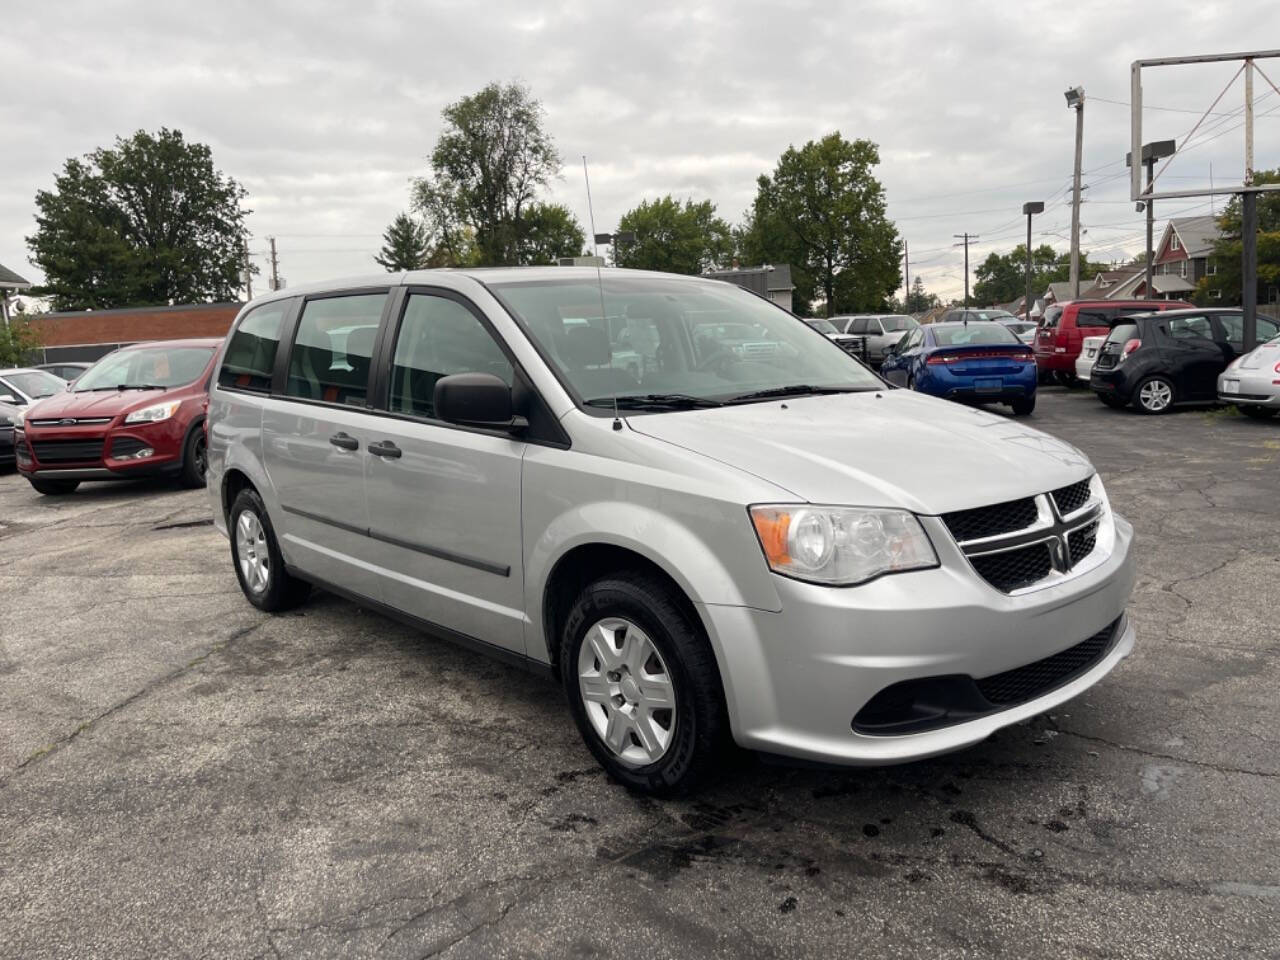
1252, 381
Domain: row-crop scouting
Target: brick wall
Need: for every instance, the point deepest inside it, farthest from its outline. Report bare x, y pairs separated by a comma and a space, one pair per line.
101, 327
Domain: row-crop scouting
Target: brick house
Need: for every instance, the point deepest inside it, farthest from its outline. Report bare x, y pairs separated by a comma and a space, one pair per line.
90, 334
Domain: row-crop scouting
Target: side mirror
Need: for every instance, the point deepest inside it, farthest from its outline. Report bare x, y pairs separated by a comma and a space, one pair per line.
477, 400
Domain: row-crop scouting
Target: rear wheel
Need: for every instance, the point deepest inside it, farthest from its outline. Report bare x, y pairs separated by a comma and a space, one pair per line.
195, 459
1257, 413
1154, 395
54, 488
1023, 407
256, 556
643, 685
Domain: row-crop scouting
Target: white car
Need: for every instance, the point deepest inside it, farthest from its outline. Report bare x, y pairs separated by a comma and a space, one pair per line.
1252, 381
1089, 348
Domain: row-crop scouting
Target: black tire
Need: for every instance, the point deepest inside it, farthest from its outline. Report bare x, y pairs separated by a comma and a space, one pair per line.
1023, 407
911, 381
194, 459
1066, 379
53, 488
1111, 400
281, 590
1256, 413
1140, 402
698, 723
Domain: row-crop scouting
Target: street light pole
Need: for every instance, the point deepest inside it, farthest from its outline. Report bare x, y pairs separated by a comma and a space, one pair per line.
1029, 209
1075, 100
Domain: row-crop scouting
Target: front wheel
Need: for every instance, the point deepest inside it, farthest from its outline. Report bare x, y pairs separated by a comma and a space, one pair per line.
1257, 413
195, 460
1154, 395
642, 685
1023, 407
53, 488
256, 556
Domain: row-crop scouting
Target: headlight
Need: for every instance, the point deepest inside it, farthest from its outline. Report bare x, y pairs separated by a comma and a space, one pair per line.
1106, 536
840, 545
154, 414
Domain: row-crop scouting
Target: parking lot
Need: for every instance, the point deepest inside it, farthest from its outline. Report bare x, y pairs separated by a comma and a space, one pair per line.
181, 775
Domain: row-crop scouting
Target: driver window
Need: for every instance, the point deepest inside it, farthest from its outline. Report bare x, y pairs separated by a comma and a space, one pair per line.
439, 337
1190, 328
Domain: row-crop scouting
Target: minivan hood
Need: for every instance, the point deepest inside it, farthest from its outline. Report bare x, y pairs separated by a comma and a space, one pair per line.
102, 403
891, 448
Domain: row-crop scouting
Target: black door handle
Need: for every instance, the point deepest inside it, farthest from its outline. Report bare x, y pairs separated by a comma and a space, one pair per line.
345, 441
385, 448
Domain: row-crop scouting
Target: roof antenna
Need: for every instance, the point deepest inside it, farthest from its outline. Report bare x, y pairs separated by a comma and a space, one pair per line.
604, 317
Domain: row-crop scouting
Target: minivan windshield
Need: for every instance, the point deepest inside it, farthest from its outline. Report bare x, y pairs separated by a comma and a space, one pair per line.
668, 343
145, 367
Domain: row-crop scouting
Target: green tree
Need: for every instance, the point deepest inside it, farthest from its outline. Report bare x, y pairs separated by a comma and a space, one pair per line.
405, 245
918, 300
17, 341
1003, 277
675, 237
149, 221
823, 211
1228, 251
488, 168
551, 231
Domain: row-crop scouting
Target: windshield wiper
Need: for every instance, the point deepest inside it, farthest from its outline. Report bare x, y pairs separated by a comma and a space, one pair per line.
654, 401
794, 390
122, 386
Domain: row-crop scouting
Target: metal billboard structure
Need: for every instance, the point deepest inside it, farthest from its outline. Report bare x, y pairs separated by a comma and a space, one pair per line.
1247, 190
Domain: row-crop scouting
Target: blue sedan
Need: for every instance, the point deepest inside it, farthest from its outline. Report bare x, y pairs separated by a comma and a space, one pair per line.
975, 362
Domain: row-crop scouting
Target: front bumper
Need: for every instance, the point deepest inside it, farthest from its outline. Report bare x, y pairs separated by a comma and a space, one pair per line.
795, 679
164, 439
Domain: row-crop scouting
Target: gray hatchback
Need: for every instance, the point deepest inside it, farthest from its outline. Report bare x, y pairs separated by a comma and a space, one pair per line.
700, 515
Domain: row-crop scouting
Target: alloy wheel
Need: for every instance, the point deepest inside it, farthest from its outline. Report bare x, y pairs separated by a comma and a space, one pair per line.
1155, 395
252, 553
201, 455
627, 691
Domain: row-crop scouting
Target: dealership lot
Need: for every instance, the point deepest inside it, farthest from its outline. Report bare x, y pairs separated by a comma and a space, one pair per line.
182, 775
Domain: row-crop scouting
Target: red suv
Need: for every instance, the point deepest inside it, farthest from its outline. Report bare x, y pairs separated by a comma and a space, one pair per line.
1066, 324
138, 412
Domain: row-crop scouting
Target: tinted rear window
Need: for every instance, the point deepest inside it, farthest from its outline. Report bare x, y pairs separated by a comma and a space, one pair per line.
251, 354
1123, 331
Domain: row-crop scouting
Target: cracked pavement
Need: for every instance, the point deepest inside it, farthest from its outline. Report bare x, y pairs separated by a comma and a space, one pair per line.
181, 775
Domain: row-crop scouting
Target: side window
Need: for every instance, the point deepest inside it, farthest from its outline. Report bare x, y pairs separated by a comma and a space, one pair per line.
439, 337
874, 326
1233, 327
333, 349
856, 325
1190, 328
251, 354
914, 340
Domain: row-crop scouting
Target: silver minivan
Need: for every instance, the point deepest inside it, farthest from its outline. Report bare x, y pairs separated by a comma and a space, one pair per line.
702, 517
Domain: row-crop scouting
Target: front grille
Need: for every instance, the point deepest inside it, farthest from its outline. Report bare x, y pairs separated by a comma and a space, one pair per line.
1036, 679
126, 446
1014, 569
1071, 498
69, 421
991, 521
68, 451
1081, 543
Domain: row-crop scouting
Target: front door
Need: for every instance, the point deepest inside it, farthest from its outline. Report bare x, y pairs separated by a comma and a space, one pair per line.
315, 439
444, 501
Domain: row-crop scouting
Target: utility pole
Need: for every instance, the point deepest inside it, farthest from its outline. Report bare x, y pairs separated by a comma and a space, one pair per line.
1075, 100
1029, 210
1249, 221
248, 272
968, 238
275, 273
906, 275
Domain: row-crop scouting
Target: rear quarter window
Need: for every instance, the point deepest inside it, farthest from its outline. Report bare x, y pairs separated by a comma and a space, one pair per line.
251, 352
1123, 332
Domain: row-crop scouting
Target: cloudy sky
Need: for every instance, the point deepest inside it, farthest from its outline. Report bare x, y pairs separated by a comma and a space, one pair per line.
325, 110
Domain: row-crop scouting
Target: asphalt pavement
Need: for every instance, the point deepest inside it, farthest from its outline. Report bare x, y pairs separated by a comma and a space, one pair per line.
183, 776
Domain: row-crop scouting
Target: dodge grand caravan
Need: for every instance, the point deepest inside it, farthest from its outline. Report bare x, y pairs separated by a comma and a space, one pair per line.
705, 544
